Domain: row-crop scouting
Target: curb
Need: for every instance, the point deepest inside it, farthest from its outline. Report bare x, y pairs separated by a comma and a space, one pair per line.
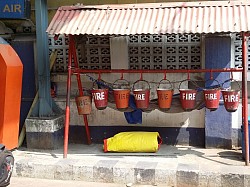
136, 171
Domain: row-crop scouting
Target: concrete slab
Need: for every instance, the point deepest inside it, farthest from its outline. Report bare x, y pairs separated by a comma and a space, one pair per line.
170, 166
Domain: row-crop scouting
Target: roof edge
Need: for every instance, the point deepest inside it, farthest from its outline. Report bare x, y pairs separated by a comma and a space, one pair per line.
158, 5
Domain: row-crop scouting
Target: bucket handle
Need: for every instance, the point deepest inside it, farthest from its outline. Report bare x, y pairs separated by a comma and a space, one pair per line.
100, 80
187, 80
214, 87
127, 83
168, 82
83, 89
230, 80
141, 81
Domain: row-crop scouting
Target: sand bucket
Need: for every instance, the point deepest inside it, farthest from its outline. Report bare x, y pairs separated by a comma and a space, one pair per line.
231, 98
100, 97
84, 104
141, 95
165, 95
212, 98
121, 94
187, 97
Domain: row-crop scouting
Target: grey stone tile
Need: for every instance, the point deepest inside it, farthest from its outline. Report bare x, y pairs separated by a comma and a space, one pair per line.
210, 179
187, 175
64, 169
83, 170
24, 168
231, 180
247, 179
124, 172
165, 172
103, 170
145, 172
210, 175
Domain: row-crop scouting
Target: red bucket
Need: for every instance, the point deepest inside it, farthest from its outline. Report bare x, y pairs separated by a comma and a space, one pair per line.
121, 98
100, 97
188, 97
142, 96
121, 93
212, 98
84, 104
231, 99
165, 96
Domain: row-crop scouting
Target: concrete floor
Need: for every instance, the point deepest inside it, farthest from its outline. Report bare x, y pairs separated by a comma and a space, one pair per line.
188, 153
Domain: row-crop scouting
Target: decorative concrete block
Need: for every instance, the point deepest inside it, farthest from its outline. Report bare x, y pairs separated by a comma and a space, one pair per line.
45, 133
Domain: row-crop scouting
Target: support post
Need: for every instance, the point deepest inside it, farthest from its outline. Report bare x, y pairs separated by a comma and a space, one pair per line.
45, 106
67, 111
245, 96
80, 88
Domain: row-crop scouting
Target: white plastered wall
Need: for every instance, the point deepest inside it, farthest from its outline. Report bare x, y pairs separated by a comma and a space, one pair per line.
112, 117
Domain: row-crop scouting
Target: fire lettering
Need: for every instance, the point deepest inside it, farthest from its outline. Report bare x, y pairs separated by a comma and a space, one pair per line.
99, 96
231, 98
164, 96
140, 96
211, 96
188, 96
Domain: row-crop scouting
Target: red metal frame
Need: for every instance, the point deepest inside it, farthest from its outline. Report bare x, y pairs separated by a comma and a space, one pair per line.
245, 97
80, 88
77, 72
67, 110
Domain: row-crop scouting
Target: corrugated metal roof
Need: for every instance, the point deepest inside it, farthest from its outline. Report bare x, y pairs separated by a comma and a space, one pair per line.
152, 18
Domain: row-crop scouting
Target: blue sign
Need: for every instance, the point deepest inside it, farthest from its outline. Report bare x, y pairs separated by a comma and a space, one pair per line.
14, 9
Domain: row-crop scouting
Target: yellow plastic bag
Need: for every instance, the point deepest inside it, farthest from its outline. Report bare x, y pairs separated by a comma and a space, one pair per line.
133, 142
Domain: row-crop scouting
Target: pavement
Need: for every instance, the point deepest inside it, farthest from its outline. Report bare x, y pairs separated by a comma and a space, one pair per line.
177, 166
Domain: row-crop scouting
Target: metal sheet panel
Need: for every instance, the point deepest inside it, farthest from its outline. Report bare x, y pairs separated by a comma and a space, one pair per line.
152, 18
25, 50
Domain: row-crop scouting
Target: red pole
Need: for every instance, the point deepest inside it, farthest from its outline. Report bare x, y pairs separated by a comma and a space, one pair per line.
67, 111
78, 70
79, 83
245, 96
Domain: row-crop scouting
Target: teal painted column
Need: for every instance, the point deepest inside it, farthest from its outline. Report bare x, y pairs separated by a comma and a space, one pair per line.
45, 106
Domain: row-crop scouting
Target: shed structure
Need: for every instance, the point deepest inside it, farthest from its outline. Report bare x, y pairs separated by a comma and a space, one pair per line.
207, 18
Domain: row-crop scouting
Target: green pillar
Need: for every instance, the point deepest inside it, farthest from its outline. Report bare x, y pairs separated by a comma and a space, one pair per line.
45, 106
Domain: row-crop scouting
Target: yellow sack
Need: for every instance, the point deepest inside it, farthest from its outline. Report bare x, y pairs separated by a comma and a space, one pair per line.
133, 142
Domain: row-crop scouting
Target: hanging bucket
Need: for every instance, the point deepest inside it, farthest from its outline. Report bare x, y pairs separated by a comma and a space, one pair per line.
83, 104
165, 96
121, 95
187, 98
100, 97
212, 98
141, 96
231, 98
